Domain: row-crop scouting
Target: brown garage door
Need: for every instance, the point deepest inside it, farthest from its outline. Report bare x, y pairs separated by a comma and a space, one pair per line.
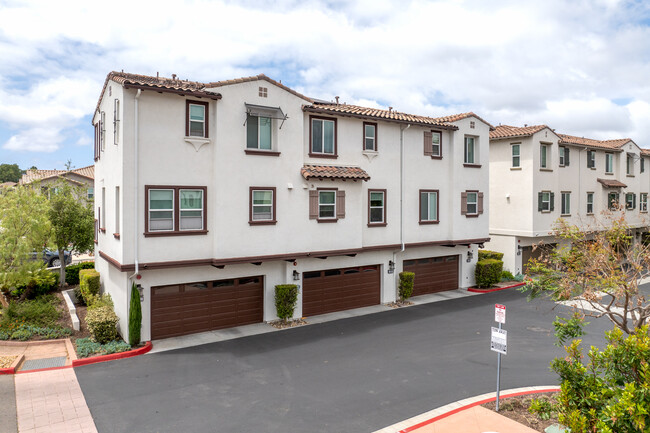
196, 307
340, 289
434, 274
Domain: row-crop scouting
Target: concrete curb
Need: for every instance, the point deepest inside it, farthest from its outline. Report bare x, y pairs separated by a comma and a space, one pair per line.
495, 289
14, 365
434, 415
103, 358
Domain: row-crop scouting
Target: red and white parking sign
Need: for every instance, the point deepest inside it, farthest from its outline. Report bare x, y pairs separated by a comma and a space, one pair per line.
499, 313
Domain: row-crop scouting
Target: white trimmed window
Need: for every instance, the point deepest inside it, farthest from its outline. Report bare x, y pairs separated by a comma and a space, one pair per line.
326, 204
369, 136
175, 210
191, 209
161, 209
436, 144
516, 155
262, 205
196, 119
376, 207
643, 202
590, 203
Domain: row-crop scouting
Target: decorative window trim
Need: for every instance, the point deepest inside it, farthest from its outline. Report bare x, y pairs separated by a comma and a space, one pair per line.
383, 222
320, 154
333, 219
206, 132
464, 203
176, 211
273, 219
437, 220
374, 148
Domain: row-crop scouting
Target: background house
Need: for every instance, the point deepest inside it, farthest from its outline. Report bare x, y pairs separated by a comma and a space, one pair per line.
210, 194
83, 178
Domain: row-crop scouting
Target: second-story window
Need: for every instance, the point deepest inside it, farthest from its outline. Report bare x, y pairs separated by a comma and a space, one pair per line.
543, 155
545, 201
566, 203
429, 206
175, 210
376, 207
630, 201
643, 202
262, 205
196, 121
516, 155
612, 200
591, 159
470, 150
629, 164
590, 203
116, 121
471, 203
641, 164
369, 136
323, 137
609, 163
258, 132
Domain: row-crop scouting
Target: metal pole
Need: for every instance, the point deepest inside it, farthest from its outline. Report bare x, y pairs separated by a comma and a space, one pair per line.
498, 374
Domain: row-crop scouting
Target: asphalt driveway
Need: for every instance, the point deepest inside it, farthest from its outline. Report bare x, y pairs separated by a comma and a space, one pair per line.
354, 375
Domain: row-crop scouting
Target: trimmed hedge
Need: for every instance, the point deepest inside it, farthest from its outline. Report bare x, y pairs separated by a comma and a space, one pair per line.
286, 296
72, 271
488, 272
406, 282
102, 323
88, 284
487, 254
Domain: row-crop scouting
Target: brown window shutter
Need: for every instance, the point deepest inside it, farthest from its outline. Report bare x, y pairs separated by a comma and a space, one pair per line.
340, 204
480, 202
463, 203
313, 205
428, 145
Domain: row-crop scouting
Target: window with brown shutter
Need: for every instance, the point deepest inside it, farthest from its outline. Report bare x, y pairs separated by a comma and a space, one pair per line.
428, 145
471, 203
313, 205
480, 202
340, 204
326, 205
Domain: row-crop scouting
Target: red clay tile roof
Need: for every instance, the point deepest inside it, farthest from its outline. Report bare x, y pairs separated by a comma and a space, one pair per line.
612, 183
461, 116
32, 175
333, 172
507, 131
600, 144
645, 152
256, 78
375, 113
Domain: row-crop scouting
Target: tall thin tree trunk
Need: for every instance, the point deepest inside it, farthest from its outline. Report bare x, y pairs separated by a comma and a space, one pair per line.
62, 268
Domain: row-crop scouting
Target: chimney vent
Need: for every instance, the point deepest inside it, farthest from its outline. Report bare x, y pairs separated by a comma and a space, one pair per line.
174, 77
390, 109
337, 100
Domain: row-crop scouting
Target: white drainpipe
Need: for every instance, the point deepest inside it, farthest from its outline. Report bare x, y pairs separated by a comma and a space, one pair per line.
401, 194
137, 186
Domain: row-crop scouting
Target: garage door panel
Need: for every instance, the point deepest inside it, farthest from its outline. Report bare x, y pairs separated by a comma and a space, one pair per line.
198, 307
434, 274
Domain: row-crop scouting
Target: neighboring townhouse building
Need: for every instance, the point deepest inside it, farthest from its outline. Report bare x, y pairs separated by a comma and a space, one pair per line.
210, 194
538, 176
82, 178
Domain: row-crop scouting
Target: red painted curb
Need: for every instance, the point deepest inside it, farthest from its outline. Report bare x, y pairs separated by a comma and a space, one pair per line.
95, 359
471, 405
495, 290
7, 370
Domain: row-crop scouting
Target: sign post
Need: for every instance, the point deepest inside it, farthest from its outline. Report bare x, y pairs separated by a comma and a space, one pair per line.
499, 342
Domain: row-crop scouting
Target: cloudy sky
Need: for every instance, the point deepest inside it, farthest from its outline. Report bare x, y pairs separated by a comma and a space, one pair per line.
580, 66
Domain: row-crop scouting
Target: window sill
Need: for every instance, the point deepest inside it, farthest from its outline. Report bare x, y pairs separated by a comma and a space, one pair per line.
429, 222
102, 230
261, 152
565, 215
197, 142
116, 235
323, 155
545, 211
328, 220
377, 224
592, 168
515, 168
643, 211
545, 169
609, 174
472, 165
175, 233
590, 214
262, 223
436, 157
474, 215
629, 175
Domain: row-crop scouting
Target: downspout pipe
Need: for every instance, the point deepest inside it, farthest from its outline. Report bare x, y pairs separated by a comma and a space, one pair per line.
401, 192
137, 186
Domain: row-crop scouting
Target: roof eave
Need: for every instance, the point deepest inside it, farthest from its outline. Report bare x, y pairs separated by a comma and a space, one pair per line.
197, 94
312, 109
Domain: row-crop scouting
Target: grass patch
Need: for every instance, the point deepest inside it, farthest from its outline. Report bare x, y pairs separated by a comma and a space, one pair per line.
86, 347
40, 312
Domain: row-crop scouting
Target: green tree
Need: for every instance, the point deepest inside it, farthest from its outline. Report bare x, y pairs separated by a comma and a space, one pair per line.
71, 217
24, 228
598, 272
135, 316
10, 173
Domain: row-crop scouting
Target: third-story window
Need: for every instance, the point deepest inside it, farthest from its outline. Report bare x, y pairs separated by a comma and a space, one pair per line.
262, 205
196, 122
369, 136
116, 121
629, 164
258, 132
436, 144
323, 137
630, 201
642, 164
90, 193
566, 203
428, 206
543, 155
470, 150
590, 203
591, 159
564, 156
516, 155
376, 207
609, 163
643, 202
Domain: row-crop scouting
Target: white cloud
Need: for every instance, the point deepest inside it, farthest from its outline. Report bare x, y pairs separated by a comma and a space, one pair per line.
35, 140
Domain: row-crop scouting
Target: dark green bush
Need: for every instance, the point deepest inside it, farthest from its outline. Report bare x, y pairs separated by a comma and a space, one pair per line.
286, 296
507, 276
488, 272
88, 284
38, 312
135, 316
487, 254
72, 271
406, 281
102, 323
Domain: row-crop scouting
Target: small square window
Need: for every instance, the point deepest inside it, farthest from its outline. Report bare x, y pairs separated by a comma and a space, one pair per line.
263, 92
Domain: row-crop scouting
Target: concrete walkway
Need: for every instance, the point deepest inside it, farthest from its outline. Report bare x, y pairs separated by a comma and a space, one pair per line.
7, 405
51, 402
33, 350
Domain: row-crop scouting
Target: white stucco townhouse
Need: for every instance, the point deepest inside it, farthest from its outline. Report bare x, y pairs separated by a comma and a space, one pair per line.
538, 176
210, 194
